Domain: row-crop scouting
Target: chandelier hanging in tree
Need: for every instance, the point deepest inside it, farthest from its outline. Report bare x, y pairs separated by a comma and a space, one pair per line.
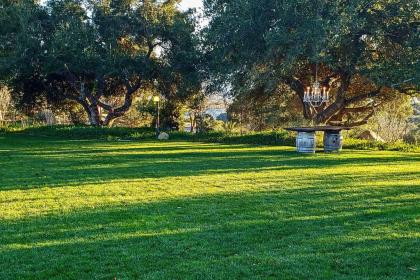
315, 95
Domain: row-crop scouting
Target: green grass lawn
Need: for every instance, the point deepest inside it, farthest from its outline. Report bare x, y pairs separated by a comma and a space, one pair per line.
179, 210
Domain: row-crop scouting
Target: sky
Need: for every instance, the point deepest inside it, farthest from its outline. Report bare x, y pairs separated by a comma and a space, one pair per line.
186, 4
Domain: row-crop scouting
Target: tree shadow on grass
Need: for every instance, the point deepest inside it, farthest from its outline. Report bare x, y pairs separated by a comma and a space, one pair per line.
307, 233
65, 165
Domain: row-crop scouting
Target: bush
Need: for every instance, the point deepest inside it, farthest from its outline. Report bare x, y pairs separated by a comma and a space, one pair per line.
358, 144
83, 132
413, 137
279, 137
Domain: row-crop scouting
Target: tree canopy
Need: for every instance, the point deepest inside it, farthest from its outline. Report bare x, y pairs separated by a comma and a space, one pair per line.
89, 50
366, 50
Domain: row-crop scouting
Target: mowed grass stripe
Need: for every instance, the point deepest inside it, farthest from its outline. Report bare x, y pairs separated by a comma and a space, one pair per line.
180, 210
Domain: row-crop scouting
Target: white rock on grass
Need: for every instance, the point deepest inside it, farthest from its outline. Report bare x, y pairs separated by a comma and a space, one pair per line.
163, 136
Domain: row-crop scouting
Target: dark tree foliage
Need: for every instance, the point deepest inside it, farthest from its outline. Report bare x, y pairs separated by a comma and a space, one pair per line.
258, 111
88, 51
367, 51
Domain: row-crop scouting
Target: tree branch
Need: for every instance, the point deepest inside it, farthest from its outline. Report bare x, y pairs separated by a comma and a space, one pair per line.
105, 106
360, 97
339, 102
330, 79
132, 89
298, 87
114, 113
361, 122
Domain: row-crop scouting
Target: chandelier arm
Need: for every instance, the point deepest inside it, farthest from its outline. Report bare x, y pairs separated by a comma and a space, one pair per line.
317, 94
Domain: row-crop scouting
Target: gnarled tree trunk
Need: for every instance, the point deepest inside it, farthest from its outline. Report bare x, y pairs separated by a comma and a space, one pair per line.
91, 100
343, 105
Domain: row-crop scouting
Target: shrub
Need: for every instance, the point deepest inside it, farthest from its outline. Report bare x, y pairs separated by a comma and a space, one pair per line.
82, 132
358, 144
277, 137
280, 137
413, 137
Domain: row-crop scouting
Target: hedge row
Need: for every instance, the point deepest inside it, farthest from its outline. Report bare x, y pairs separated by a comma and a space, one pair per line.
279, 137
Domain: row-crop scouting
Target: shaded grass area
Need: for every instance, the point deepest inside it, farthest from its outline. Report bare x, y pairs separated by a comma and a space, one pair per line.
181, 210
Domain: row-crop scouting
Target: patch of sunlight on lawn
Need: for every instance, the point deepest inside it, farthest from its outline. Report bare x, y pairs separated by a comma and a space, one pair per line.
215, 175
178, 210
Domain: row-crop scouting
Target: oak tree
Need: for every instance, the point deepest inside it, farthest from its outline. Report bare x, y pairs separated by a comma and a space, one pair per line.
366, 51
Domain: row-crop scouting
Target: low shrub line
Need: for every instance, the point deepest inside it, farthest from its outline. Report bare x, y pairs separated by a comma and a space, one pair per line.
278, 137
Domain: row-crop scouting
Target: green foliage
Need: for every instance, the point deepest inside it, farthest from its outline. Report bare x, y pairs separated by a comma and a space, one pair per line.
391, 121
263, 38
360, 47
230, 126
88, 51
256, 138
182, 210
360, 144
205, 123
259, 110
274, 137
82, 132
77, 115
413, 137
